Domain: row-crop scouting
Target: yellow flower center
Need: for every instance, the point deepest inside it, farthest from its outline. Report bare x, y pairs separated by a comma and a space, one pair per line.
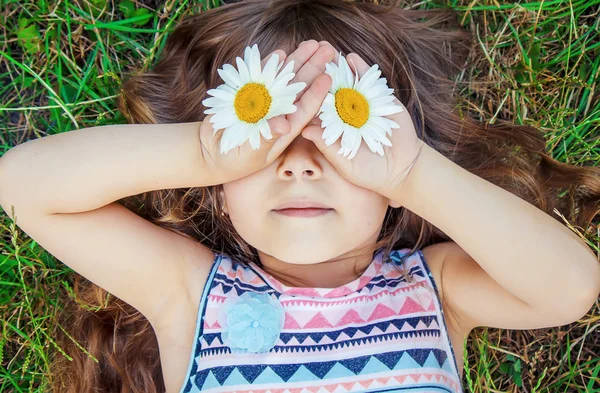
352, 107
252, 102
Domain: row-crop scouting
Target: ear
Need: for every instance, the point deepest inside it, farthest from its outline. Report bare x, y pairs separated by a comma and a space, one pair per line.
222, 200
394, 204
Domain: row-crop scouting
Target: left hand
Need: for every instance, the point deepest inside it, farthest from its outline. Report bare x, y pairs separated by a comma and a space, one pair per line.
384, 175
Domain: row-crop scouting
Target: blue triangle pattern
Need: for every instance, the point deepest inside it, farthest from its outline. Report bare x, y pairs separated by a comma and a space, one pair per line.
374, 366
355, 364
210, 382
251, 372
285, 371
221, 373
320, 369
285, 337
267, 376
322, 347
303, 375
235, 378
230, 375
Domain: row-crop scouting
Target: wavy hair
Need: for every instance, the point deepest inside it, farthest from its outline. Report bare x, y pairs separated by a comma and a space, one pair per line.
419, 52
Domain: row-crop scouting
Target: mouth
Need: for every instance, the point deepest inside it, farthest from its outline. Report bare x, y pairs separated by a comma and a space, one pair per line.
304, 212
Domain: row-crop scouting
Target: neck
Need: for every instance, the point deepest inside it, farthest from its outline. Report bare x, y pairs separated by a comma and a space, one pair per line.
332, 273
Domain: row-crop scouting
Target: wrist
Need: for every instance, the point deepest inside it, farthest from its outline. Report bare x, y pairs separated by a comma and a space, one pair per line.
406, 190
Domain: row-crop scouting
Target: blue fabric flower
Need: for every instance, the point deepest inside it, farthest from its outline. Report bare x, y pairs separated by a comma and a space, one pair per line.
251, 322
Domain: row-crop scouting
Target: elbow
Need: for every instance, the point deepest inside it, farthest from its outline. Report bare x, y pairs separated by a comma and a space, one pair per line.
585, 288
7, 185
583, 304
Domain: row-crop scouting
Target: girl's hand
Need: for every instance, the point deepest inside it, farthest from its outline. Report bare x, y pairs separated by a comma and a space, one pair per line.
367, 169
309, 66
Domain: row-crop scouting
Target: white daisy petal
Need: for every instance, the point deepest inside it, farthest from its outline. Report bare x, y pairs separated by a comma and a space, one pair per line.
383, 123
343, 71
226, 122
215, 101
381, 101
374, 146
391, 123
386, 110
348, 136
377, 91
241, 136
255, 71
227, 89
281, 109
355, 147
248, 56
332, 70
227, 136
369, 78
222, 94
292, 89
279, 83
230, 75
243, 69
280, 65
265, 130
270, 70
331, 134
327, 118
254, 136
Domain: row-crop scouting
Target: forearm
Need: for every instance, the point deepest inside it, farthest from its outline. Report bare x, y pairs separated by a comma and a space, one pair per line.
525, 250
85, 169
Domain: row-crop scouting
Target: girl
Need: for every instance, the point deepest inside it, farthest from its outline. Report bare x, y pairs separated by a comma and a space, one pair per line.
408, 252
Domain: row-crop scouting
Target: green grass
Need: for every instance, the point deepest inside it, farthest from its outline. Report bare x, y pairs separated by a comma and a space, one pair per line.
60, 68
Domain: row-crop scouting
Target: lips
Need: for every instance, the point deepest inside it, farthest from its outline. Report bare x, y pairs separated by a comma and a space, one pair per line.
301, 204
304, 212
302, 208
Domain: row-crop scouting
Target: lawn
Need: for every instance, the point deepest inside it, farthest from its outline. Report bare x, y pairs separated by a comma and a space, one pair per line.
60, 69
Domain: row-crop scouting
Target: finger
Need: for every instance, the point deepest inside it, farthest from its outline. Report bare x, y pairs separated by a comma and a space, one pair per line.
356, 63
337, 53
315, 66
302, 54
280, 52
316, 121
278, 127
331, 152
310, 102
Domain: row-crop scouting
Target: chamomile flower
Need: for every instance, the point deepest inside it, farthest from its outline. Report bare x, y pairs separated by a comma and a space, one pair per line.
249, 97
355, 109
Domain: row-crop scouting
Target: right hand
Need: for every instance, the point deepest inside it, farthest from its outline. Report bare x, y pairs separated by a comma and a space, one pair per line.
309, 66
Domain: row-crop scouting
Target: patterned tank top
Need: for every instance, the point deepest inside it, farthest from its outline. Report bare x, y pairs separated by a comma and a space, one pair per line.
383, 332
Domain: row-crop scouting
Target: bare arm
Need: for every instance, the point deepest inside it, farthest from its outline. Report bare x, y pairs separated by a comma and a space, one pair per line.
85, 169
63, 188
516, 266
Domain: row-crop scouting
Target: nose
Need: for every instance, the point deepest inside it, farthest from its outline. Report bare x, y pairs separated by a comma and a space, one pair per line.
299, 161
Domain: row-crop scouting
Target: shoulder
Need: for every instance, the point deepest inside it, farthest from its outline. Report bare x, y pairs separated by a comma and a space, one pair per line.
433, 258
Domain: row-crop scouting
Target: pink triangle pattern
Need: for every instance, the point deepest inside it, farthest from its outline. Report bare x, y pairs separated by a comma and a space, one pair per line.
378, 313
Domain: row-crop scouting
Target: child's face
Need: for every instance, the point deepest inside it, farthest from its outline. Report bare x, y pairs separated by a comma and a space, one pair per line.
302, 171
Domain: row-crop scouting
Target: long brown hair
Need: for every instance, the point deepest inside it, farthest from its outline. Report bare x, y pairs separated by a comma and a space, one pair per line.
419, 53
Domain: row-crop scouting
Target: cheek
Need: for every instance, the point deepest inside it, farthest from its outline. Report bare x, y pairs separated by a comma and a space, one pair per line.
366, 208
243, 198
